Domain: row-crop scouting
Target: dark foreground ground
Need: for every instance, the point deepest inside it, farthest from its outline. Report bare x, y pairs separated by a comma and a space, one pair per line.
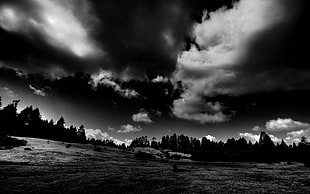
53, 167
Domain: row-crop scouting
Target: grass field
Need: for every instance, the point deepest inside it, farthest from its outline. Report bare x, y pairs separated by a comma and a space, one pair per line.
53, 167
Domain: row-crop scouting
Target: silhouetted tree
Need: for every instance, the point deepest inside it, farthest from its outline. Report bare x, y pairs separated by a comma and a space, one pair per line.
303, 140
154, 143
8, 118
173, 142
140, 142
81, 134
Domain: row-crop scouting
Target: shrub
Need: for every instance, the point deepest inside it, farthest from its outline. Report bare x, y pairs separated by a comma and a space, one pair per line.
144, 155
8, 142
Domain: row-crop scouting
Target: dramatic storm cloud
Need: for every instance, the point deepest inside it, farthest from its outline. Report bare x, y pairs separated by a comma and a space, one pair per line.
47, 33
245, 49
134, 39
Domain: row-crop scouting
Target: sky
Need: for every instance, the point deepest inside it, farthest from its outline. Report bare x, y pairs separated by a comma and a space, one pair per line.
214, 68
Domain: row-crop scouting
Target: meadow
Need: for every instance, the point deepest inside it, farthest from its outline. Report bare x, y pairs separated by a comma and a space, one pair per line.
53, 166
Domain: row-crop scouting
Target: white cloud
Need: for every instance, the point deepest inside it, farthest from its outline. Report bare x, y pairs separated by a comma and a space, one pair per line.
37, 91
141, 117
97, 134
275, 139
223, 38
57, 23
211, 138
160, 79
129, 128
255, 137
256, 128
107, 78
5, 91
194, 108
286, 124
295, 136
111, 128
250, 137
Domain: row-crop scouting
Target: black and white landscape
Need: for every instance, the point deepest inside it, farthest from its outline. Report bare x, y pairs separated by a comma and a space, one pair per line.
137, 96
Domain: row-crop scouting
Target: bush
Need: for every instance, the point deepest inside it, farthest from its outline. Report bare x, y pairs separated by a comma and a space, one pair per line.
7, 142
144, 155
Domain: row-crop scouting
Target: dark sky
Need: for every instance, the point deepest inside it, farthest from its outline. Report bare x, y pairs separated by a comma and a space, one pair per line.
215, 68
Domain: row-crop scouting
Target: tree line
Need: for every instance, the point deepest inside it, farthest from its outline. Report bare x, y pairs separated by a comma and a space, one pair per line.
29, 123
265, 150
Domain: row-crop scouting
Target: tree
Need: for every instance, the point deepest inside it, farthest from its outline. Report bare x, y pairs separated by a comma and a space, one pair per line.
140, 142
61, 122
81, 134
165, 142
173, 142
303, 140
154, 143
8, 118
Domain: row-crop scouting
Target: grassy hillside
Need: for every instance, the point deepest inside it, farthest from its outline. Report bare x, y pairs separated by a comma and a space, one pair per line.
52, 166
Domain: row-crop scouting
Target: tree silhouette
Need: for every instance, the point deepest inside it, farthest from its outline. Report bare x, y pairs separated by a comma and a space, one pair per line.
8, 118
29, 123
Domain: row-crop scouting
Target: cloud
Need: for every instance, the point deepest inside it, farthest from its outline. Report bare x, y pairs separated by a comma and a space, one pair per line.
295, 136
55, 22
106, 78
148, 40
255, 137
111, 128
250, 137
286, 124
48, 36
192, 107
141, 117
275, 139
97, 134
211, 138
256, 128
129, 128
160, 79
37, 91
7, 92
223, 38
245, 46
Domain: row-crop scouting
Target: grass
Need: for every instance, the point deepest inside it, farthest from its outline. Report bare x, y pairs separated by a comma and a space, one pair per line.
51, 167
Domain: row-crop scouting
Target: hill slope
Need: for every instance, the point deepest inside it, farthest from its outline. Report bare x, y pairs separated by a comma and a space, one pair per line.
53, 166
